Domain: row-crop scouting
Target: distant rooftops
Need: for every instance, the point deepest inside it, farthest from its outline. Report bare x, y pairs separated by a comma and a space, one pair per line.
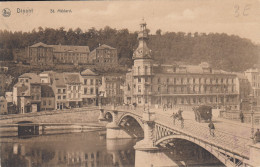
72, 78
34, 78
104, 46
192, 69
88, 72
64, 48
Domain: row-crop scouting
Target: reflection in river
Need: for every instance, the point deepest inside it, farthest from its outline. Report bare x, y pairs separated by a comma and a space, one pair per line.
90, 149
77, 149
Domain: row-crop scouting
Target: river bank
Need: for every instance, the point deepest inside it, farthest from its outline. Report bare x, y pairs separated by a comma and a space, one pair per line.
79, 115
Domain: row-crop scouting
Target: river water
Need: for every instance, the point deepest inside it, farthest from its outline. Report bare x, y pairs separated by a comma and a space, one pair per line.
90, 149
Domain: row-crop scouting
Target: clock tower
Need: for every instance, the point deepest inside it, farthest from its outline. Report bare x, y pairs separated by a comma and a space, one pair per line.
143, 63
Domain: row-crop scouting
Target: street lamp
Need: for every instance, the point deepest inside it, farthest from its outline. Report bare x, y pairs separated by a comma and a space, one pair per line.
252, 115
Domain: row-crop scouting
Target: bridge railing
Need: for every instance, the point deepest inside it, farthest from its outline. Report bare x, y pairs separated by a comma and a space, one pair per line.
225, 140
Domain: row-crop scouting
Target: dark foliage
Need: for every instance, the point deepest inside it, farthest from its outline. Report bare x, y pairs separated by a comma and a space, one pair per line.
223, 51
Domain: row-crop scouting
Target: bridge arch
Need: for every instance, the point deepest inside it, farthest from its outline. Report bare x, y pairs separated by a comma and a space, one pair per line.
129, 115
214, 150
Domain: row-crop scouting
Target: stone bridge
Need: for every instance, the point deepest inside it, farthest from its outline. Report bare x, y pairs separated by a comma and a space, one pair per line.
158, 131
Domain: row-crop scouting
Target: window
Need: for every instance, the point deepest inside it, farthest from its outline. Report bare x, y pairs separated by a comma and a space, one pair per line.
159, 89
211, 99
85, 91
174, 80
193, 80
59, 97
96, 81
188, 80
74, 87
139, 88
167, 80
69, 87
64, 97
139, 100
44, 103
64, 90
146, 79
49, 102
91, 90
37, 97
69, 95
91, 82
146, 69
26, 80
181, 81
85, 81
139, 80
216, 80
79, 87
159, 80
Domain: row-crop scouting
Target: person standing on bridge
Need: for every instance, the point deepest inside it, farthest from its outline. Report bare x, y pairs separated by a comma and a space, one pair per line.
257, 136
241, 115
211, 128
173, 117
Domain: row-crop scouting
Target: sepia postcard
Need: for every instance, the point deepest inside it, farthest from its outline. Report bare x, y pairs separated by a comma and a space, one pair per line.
130, 83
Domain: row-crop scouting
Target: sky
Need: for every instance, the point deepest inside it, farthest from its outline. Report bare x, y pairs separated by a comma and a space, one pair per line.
238, 17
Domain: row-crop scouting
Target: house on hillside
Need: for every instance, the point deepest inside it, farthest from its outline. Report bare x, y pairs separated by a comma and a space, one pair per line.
104, 56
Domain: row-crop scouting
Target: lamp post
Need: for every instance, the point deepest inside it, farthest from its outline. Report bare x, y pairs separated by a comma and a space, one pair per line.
252, 115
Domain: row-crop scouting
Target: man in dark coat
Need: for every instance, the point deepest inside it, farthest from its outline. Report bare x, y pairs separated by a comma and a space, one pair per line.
211, 128
257, 136
241, 115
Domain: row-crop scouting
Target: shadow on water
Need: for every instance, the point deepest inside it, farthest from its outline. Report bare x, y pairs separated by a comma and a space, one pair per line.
75, 149
92, 149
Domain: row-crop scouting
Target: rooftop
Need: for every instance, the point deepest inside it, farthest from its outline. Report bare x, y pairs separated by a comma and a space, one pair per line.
63, 48
88, 72
34, 78
72, 78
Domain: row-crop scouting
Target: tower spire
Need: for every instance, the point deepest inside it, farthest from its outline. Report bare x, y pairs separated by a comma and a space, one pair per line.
142, 51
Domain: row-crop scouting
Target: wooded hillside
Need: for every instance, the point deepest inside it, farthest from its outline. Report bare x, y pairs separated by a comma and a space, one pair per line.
230, 53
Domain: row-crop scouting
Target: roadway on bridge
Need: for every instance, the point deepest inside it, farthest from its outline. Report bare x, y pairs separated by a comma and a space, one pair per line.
229, 135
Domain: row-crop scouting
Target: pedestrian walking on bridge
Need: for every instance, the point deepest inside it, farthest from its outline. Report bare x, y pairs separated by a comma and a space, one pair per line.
211, 128
173, 117
257, 136
241, 115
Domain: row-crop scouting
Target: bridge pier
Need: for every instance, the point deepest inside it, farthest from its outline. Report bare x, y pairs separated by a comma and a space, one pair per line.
114, 131
101, 115
254, 154
146, 154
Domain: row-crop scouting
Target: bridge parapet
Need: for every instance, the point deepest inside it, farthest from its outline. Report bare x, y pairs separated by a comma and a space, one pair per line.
159, 128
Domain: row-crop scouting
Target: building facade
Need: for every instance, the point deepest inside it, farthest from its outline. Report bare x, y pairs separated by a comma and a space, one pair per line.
253, 77
175, 84
104, 56
114, 90
3, 78
3, 105
27, 93
60, 91
90, 87
43, 54
47, 98
73, 85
